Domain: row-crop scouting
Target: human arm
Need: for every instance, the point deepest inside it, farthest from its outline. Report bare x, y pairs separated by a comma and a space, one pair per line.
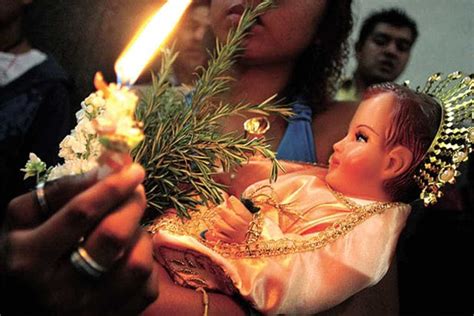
301, 282
178, 300
34, 251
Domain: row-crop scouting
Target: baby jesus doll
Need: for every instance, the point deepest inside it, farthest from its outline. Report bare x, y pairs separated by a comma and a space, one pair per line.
320, 235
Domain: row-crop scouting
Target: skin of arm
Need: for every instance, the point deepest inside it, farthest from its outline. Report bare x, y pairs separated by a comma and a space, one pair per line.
177, 300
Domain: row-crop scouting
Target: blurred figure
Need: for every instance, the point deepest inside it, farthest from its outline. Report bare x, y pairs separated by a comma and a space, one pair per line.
34, 102
382, 51
191, 44
192, 41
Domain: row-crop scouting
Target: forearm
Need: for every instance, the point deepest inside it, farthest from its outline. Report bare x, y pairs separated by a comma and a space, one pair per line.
177, 300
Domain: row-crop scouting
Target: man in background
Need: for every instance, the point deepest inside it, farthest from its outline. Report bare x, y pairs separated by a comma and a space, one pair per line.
191, 43
382, 51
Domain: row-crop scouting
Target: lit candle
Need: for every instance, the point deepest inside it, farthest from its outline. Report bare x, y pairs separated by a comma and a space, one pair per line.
147, 42
107, 116
116, 126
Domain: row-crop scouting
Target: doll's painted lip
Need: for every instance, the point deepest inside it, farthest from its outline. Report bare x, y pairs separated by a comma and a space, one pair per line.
333, 162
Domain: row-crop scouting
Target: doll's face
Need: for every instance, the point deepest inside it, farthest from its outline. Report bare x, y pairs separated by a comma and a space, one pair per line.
357, 165
279, 35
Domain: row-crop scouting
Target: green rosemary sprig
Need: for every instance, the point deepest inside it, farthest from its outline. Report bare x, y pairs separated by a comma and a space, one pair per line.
183, 145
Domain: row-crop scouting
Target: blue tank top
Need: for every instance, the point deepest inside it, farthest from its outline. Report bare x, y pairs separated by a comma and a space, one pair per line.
297, 143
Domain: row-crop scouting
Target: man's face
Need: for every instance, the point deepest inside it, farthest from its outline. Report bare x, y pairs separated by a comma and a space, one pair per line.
385, 53
190, 38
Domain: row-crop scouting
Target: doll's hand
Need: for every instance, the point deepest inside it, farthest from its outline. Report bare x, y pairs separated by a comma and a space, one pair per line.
233, 224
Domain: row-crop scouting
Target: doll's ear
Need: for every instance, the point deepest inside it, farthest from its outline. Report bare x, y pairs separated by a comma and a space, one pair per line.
398, 161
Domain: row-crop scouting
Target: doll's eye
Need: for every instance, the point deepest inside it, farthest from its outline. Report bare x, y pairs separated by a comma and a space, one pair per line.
361, 137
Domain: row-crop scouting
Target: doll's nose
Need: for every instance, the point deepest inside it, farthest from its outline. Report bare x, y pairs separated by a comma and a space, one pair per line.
337, 147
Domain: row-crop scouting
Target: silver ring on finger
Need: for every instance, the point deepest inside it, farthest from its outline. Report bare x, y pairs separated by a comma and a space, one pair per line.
85, 264
41, 198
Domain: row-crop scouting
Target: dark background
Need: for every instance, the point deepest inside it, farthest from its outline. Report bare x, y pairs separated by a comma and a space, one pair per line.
86, 36
435, 262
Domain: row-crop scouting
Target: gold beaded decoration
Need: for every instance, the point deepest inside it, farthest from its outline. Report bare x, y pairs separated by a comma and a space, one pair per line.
257, 247
453, 141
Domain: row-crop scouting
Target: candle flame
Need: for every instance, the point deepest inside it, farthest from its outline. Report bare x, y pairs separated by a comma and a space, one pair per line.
147, 42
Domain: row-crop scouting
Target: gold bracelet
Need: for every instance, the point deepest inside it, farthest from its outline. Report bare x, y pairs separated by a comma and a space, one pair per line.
205, 299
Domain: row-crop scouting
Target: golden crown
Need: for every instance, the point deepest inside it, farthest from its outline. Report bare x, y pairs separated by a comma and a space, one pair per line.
453, 141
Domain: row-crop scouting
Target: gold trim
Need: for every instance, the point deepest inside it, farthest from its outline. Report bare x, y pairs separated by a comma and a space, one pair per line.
451, 145
257, 248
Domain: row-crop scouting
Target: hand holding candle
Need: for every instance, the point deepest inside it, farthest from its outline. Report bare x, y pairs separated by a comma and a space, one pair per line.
116, 127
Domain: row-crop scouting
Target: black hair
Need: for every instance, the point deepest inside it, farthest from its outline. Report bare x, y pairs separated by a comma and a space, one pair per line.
318, 69
393, 16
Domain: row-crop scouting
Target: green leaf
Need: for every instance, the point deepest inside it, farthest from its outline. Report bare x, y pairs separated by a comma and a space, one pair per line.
183, 144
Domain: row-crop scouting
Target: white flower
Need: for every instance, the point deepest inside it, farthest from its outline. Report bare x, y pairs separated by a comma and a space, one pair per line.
85, 127
95, 148
81, 114
72, 167
67, 148
94, 103
34, 159
34, 166
82, 147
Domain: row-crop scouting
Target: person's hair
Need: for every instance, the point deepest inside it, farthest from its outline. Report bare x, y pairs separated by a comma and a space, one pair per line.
319, 67
393, 16
415, 118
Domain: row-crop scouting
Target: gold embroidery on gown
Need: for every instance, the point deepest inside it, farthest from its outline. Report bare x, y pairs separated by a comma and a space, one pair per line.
255, 248
303, 231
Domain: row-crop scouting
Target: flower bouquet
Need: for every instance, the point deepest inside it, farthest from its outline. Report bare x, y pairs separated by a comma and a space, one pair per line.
182, 146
